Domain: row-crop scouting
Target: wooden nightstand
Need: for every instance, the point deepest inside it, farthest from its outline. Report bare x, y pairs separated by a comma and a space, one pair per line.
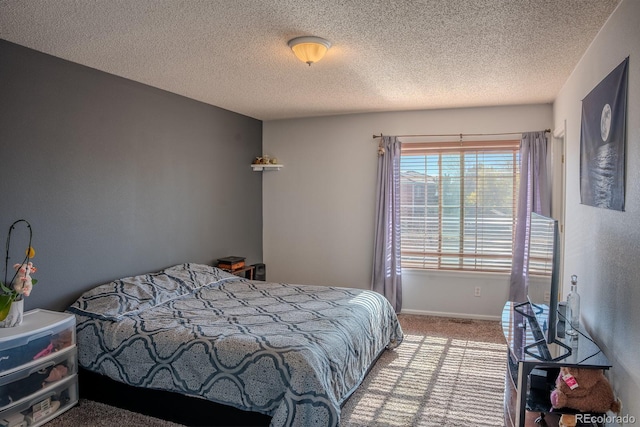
246, 271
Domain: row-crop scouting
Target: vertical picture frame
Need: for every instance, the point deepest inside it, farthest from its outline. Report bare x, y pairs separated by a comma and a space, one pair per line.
603, 136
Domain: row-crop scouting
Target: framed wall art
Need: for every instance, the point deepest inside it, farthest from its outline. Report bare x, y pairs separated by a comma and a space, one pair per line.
602, 141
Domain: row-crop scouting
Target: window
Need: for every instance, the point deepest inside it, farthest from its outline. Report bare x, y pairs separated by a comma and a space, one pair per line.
458, 204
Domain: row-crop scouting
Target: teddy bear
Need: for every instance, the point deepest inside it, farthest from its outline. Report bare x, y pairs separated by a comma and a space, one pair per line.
586, 390
567, 420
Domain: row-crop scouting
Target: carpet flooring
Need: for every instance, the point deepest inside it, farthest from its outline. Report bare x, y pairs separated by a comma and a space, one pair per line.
446, 373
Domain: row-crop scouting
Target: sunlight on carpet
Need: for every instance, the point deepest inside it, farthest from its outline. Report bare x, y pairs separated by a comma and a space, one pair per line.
433, 381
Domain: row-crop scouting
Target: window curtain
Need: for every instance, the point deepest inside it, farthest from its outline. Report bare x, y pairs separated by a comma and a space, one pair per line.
387, 274
533, 196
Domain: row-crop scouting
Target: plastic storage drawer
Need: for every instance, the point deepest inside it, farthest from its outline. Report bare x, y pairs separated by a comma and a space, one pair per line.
25, 382
41, 333
39, 408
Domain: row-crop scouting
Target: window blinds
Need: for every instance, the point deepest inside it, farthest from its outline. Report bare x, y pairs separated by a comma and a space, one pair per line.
458, 204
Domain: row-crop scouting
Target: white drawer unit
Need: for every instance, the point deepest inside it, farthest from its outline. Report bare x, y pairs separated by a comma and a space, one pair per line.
38, 369
41, 407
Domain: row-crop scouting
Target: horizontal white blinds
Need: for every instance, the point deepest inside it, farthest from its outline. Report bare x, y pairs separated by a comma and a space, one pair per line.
541, 247
458, 204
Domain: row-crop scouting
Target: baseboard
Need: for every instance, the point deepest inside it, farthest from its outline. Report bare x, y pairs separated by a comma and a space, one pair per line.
454, 315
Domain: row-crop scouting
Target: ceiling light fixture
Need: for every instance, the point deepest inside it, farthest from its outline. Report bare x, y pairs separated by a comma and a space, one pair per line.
309, 49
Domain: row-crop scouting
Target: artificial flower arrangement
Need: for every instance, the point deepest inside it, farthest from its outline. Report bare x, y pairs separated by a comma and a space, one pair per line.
21, 283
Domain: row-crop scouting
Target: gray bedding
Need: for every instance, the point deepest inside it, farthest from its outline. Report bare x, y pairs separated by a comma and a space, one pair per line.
294, 352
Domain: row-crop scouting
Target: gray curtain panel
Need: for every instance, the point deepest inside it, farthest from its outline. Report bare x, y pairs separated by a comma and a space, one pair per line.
387, 275
533, 196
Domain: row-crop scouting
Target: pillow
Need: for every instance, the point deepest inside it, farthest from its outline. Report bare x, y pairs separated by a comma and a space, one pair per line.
131, 295
195, 276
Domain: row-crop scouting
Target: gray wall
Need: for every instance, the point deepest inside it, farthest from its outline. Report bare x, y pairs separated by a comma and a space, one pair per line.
602, 246
118, 178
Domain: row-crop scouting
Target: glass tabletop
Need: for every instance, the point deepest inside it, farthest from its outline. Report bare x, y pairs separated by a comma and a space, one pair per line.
526, 345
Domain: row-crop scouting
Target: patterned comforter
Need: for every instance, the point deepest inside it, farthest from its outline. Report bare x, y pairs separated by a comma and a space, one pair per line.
294, 352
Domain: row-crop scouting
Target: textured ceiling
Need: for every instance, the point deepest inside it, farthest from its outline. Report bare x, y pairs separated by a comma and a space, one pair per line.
386, 55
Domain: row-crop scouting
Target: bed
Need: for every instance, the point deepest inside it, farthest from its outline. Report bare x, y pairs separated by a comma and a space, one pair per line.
292, 352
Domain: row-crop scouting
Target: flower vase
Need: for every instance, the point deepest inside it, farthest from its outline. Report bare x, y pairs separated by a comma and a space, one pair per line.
14, 318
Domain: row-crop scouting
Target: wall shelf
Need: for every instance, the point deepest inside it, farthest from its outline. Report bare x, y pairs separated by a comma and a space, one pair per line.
266, 167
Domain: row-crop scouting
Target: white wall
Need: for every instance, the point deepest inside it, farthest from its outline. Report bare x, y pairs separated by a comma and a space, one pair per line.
318, 211
603, 246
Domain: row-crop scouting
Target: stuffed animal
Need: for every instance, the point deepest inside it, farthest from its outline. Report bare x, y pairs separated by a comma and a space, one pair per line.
586, 390
57, 373
567, 420
23, 282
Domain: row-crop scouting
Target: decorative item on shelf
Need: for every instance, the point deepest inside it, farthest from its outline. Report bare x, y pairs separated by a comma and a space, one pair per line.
265, 162
12, 292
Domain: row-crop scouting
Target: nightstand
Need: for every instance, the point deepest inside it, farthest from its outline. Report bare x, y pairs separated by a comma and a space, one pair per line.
246, 271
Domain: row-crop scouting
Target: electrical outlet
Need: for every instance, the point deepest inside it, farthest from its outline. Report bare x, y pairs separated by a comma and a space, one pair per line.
476, 292
547, 296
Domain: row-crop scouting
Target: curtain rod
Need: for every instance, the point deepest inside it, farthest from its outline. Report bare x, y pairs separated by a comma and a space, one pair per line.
461, 134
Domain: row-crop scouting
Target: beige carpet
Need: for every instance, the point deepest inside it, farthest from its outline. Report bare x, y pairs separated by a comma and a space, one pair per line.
447, 372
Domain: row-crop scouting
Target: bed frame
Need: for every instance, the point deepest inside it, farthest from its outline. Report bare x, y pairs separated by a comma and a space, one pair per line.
175, 407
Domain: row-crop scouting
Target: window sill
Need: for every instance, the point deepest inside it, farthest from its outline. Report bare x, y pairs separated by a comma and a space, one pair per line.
453, 273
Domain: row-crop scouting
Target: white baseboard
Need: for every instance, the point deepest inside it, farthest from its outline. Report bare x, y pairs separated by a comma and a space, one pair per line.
454, 315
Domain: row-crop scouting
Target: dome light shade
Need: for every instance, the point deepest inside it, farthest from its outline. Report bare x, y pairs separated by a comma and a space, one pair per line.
309, 49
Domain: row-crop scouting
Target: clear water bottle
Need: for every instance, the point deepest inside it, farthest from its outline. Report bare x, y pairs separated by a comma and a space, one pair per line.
573, 308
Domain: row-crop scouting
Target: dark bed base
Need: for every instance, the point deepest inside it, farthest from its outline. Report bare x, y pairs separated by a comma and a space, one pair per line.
181, 409
190, 411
